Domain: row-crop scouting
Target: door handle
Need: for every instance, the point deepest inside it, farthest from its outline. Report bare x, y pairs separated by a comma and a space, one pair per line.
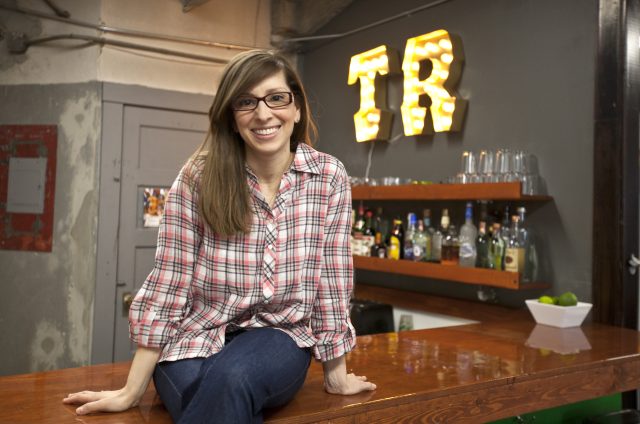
633, 263
127, 300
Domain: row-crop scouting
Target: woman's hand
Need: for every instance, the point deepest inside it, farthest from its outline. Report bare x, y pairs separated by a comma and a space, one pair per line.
142, 366
104, 401
338, 382
349, 385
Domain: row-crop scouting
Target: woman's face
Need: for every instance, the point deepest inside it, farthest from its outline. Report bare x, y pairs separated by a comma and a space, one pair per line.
267, 131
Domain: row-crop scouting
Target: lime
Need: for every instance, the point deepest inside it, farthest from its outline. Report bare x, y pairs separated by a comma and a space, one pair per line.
546, 299
567, 299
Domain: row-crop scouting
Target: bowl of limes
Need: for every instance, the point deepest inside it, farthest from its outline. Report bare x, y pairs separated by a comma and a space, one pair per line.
559, 311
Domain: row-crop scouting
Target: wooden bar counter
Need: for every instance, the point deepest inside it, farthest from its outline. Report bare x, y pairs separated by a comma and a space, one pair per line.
465, 374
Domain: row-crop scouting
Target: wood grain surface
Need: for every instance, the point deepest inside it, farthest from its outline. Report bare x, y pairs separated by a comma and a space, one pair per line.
472, 373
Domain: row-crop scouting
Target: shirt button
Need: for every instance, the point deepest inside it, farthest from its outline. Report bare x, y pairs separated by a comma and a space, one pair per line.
270, 247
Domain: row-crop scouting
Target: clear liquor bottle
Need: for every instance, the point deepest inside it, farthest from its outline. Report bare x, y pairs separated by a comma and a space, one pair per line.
436, 240
408, 236
514, 252
468, 234
420, 243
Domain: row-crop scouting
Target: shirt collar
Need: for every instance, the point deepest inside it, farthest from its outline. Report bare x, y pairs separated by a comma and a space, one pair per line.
306, 159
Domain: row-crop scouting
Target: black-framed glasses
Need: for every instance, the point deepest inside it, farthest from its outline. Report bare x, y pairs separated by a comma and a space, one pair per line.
272, 100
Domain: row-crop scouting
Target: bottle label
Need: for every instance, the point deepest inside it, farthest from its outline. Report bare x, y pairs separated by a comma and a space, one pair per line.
467, 250
356, 246
367, 244
408, 251
418, 252
394, 248
514, 259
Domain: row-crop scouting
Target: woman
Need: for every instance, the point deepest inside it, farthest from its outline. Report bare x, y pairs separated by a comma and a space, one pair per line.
253, 270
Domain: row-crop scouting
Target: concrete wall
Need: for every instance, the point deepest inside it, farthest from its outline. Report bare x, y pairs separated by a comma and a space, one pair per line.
529, 79
46, 310
245, 23
46, 307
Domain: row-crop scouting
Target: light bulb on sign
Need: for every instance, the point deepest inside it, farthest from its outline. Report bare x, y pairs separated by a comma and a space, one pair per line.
372, 121
445, 56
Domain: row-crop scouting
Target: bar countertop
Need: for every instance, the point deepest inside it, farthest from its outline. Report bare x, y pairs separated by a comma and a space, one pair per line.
473, 373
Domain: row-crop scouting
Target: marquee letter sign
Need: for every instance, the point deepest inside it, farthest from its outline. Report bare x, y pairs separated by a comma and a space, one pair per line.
371, 122
437, 48
432, 65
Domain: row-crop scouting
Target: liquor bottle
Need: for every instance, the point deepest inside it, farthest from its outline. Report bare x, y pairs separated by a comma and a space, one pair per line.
482, 246
514, 252
505, 226
408, 237
358, 231
381, 224
436, 239
428, 230
396, 240
368, 234
420, 243
530, 272
450, 247
379, 250
468, 235
496, 248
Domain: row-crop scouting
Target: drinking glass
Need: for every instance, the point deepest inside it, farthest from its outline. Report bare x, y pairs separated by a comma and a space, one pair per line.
485, 165
468, 169
503, 165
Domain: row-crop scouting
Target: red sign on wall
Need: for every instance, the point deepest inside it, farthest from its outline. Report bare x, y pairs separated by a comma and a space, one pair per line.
27, 186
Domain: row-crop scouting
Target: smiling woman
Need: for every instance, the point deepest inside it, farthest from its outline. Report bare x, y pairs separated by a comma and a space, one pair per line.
253, 271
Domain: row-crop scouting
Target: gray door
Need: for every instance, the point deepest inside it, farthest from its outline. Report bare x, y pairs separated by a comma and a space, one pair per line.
155, 145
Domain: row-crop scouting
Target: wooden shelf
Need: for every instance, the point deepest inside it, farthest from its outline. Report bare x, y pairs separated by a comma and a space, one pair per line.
475, 191
478, 276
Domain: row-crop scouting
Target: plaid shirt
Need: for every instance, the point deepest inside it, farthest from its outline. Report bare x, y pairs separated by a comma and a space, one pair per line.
292, 271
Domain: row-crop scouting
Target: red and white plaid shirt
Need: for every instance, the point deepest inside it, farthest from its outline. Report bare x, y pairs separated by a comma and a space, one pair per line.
292, 271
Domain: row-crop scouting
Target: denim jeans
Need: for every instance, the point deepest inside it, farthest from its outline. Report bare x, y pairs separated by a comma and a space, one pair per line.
256, 369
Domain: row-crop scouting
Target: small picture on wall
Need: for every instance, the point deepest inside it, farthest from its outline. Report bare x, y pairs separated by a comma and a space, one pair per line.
154, 198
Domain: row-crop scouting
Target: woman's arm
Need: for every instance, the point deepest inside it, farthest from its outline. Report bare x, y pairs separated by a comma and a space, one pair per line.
140, 374
330, 317
337, 381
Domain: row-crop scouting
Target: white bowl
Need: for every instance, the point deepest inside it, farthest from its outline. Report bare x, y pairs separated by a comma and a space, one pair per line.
558, 316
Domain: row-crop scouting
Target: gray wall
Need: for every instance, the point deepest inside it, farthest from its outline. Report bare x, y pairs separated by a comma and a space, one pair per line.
529, 79
47, 299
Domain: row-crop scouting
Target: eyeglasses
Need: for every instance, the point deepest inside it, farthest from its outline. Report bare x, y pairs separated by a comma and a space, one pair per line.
273, 101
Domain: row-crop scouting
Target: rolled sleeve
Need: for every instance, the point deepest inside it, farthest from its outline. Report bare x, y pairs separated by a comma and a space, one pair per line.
330, 320
162, 300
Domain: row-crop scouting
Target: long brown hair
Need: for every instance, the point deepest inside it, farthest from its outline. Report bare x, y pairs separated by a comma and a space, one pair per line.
225, 201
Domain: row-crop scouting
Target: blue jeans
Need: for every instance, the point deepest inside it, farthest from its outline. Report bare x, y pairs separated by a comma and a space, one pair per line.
256, 369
